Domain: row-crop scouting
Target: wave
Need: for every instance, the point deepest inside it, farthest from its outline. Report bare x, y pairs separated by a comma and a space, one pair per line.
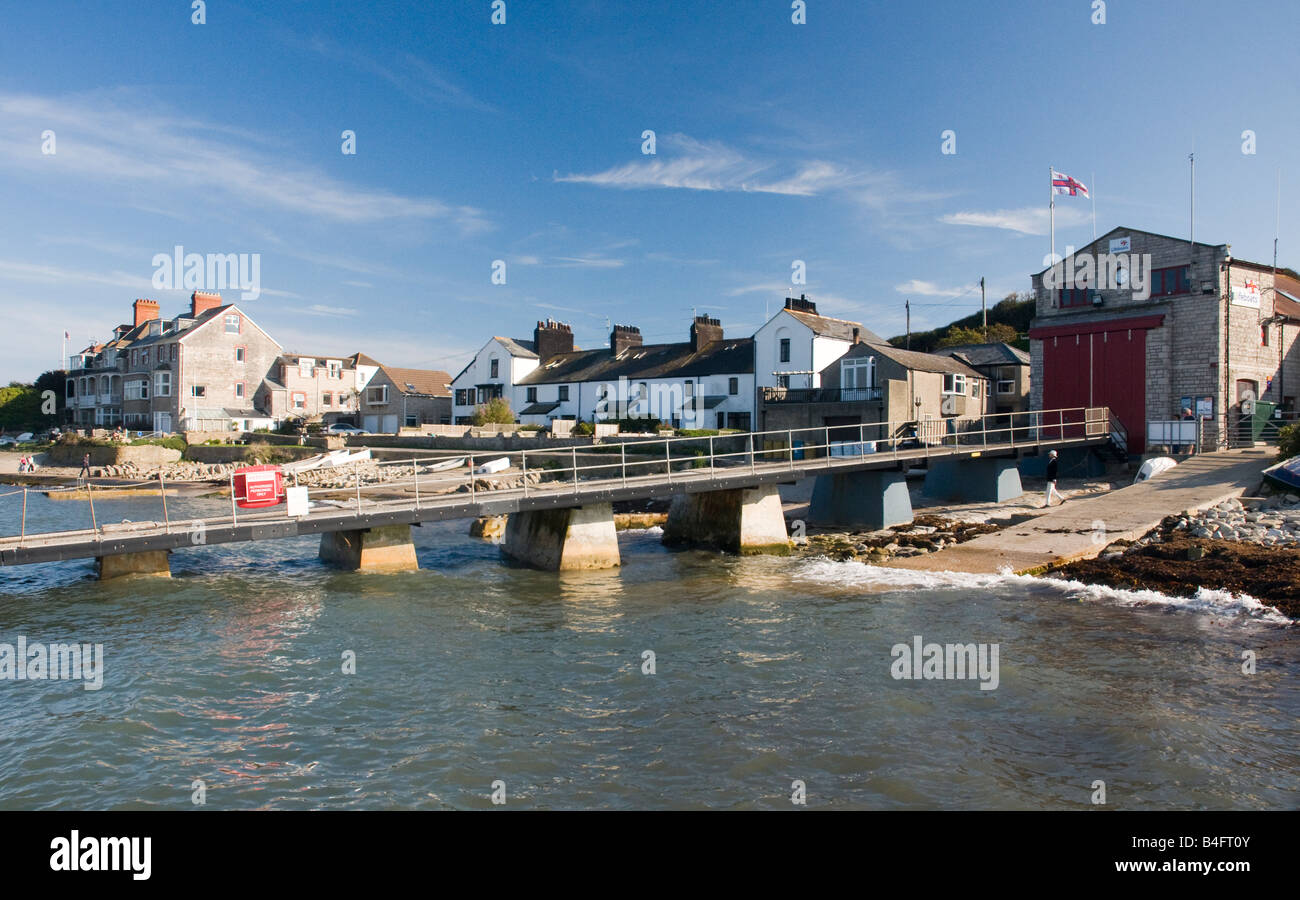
1205, 600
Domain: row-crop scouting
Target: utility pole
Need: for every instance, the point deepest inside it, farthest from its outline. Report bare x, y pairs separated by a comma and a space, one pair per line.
907, 305
1191, 158
984, 310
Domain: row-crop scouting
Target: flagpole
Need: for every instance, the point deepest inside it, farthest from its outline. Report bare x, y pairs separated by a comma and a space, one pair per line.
1051, 211
1092, 192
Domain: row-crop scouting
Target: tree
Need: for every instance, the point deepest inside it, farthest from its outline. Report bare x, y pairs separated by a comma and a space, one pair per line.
20, 408
496, 411
958, 334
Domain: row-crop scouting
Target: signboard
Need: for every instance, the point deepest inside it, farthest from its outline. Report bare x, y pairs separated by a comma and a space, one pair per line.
297, 498
1205, 407
1246, 295
1121, 245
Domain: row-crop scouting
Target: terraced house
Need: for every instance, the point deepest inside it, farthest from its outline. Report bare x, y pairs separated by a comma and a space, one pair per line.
198, 371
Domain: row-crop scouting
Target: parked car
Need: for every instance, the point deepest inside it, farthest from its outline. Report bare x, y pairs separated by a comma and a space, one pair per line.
23, 438
343, 428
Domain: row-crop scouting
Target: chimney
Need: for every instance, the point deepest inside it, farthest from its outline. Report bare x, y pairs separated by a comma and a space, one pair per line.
551, 337
201, 302
803, 304
704, 331
857, 335
622, 337
145, 311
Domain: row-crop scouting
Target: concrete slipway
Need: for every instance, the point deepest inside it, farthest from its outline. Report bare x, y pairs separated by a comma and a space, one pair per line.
1081, 528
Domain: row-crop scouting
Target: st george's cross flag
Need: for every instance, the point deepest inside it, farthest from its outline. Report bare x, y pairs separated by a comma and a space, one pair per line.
1064, 184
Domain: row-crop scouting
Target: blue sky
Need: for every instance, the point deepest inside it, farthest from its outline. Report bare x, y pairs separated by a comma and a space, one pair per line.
522, 142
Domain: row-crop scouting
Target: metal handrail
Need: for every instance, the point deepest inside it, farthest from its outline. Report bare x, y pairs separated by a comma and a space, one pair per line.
777, 447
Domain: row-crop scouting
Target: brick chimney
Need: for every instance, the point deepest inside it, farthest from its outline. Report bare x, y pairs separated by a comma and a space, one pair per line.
803, 304
201, 302
145, 311
622, 337
704, 331
551, 337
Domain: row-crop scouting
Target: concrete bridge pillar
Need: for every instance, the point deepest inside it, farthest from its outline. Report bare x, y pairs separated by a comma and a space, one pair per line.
868, 500
582, 537
386, 548
143, 562
745, 521
975, 480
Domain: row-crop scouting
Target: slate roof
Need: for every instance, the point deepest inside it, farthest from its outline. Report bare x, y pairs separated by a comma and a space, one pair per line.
725, 357
994, 353
519, 348
537, 409
911, 359
839, 329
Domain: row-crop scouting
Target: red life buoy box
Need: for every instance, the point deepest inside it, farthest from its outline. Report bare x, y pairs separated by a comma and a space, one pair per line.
257, 486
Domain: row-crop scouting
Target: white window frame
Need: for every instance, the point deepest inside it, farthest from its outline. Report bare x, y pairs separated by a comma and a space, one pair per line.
162, 384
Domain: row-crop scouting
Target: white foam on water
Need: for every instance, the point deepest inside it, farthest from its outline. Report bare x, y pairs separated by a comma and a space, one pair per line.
1214, 602
653, 529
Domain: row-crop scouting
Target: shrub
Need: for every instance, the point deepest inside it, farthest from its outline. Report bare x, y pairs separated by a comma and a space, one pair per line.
175, 442
1288, 442
584, 428
495, 412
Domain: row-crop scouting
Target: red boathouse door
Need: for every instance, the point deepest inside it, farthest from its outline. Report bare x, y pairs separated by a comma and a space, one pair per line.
1099, 364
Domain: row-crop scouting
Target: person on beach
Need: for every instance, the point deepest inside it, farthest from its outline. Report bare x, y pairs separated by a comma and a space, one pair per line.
1052, 466
85, 467
22, 464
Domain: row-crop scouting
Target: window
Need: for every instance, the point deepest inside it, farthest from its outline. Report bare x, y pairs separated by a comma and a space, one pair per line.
1006, 380
198, 391
785, 349
564, 392
1072, 297
144, 357
327, 398
298, 400
733, 386
1263, 335
239, 354
783, 381
335, 370
412, 421
162, 384
239, 390
377, 395
137, 390
856, 376
688, 389
494, 368
306, 368
532, 395
1173, 280
232, 324
135, 357
954, 383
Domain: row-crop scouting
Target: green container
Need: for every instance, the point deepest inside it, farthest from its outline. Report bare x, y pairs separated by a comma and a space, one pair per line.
1261, 419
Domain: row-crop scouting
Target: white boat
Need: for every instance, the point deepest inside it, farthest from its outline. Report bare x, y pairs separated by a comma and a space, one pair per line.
328, 460
1153, 467
493, 466
443, 465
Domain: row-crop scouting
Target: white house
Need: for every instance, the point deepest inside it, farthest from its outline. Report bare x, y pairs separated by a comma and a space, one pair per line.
795, 345
706, 381
501, 364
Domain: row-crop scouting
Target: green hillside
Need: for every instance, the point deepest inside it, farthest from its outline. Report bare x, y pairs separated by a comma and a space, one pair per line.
1013, 313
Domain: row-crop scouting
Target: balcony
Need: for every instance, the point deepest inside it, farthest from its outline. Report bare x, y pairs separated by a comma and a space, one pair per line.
822, 395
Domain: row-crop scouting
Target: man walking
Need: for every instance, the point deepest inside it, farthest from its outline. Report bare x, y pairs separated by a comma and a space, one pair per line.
85, 467
1051, 479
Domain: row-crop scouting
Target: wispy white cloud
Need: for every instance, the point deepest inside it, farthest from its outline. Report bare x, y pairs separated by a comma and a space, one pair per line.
696, 165
321, 309
111, 139
916, 287
1025, 220
586, 262
21, 271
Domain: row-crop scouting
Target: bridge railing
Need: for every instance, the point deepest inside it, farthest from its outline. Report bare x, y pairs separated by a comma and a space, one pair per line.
363, 487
